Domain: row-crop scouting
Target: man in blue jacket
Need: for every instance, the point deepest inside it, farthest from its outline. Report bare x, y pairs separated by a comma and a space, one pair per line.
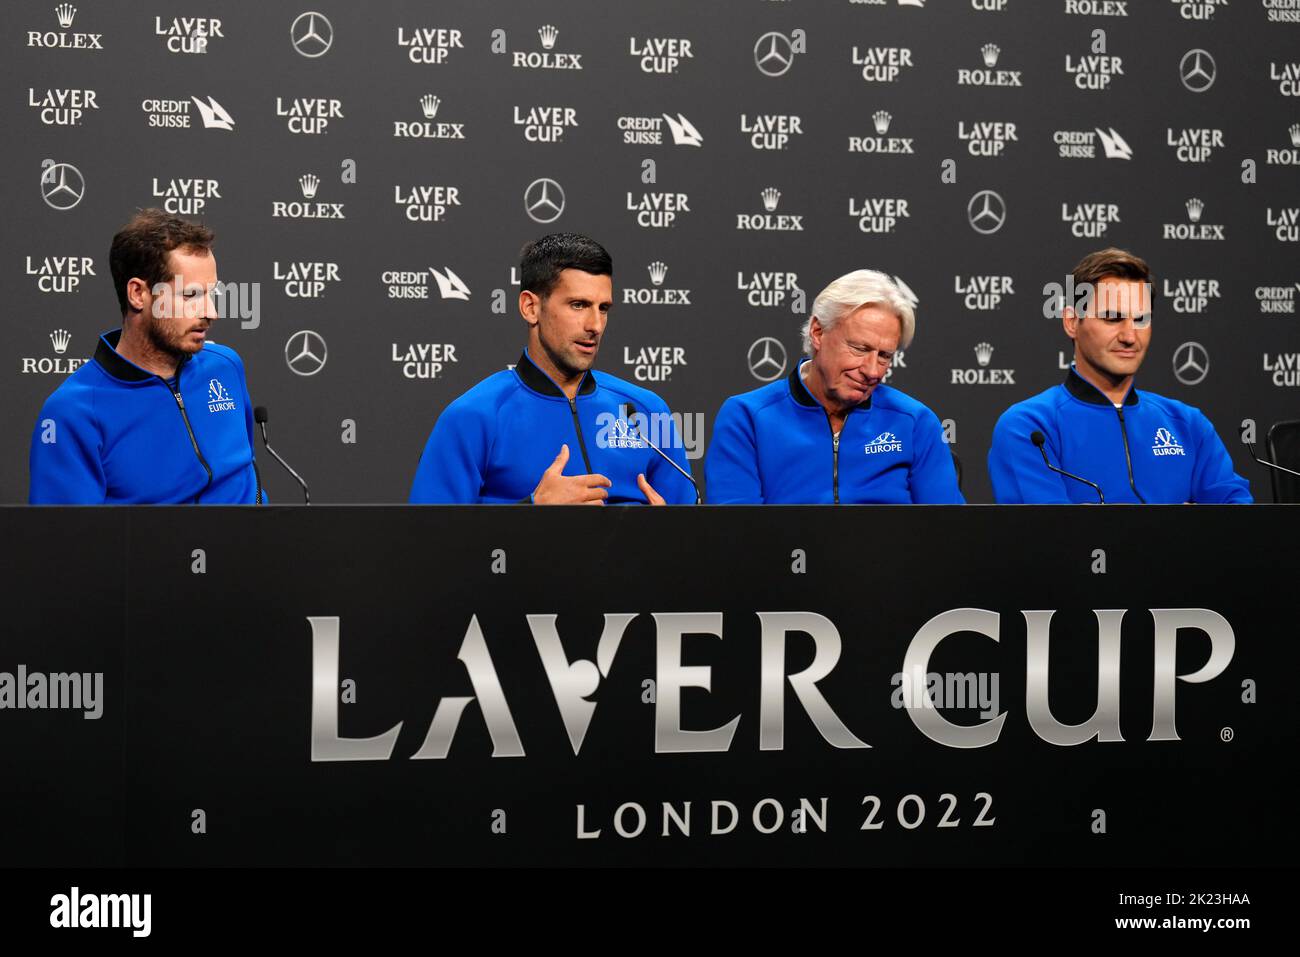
1137, 446
159, 415
552, 430
832, 432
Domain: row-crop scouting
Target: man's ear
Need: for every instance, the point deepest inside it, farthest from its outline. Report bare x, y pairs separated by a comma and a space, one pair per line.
530, 306
137, 295
815, 332
1069, 320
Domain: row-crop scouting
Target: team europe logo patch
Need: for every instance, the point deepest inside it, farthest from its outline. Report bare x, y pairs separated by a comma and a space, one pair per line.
219, 399
884, 442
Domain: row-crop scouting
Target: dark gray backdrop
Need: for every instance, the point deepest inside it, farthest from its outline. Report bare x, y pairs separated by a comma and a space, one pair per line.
114, 50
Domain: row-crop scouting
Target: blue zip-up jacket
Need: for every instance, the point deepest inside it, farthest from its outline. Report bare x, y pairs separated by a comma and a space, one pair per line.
775, 445
1150, 449
115, 434
493, 443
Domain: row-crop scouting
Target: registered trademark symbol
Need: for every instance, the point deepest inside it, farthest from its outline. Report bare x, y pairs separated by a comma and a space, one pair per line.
1225, 735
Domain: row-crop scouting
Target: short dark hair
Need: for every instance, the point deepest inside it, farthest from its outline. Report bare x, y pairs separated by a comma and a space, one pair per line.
141, 247
1111, 263
542, 260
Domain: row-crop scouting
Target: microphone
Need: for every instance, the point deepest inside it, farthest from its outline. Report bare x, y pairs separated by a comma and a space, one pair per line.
631, 411
1272, 465
1038, 439
260, 417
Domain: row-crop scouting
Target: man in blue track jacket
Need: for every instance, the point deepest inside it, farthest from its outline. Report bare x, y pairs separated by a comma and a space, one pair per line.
832, 432
1136, 446
158, 415
552, 430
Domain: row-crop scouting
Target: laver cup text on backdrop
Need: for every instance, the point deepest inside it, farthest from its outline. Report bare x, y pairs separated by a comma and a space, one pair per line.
1137, 446
552, 430
159, 415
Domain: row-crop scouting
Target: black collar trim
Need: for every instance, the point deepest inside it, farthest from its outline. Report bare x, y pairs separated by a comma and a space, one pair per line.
539, 381
114, 363
1085, 391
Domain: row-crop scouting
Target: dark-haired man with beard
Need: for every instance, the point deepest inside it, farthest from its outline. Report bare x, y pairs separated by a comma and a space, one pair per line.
552, 430
160, 415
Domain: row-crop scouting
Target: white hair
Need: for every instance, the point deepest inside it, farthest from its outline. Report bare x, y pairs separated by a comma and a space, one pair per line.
852, 291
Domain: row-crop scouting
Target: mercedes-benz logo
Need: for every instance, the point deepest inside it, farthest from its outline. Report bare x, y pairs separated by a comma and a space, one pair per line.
1191, 363
767, 359
305, 352
1197, 70
544, 200
312, 34
986, 212
62, 186
773, 54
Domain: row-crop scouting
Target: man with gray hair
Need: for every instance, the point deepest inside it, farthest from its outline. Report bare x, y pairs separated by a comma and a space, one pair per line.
832, 431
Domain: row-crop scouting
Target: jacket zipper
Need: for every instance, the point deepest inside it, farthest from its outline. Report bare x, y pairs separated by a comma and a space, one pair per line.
577, 427
1128, 460
835, 466
835, 455
180, 404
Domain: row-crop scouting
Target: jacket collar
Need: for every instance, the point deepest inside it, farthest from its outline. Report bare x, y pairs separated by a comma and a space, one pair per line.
1085, 391
120, 367
539, 381
799, 392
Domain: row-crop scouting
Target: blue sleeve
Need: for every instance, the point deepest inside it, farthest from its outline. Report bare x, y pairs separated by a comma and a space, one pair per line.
1213, 478
1016, 466
731, 465
454, 460
66, 461
665, 479
933, 479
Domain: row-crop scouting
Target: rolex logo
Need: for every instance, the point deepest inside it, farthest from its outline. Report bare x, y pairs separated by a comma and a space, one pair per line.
1295, 134
309, 182
658, 271
771, 196
983, 353
65, 12
882, 120
990, 51
59, 338
548, 35
429, 104
1194, 209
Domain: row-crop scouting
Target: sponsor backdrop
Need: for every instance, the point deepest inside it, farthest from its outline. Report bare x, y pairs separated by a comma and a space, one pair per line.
435, 705
374, 170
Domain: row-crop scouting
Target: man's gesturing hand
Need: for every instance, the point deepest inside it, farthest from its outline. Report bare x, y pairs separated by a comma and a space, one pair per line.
557, 489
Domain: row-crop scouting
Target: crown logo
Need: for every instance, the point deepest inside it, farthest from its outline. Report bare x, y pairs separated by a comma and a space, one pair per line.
59, 338
657, 273
548, 34
309, 182
65, 12
771, 196
990, 52
983, 353
1295, 134
429, 104
882, 121
1194, 209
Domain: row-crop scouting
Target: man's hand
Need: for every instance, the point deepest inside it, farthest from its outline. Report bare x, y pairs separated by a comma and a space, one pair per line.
557, 489
651, 496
